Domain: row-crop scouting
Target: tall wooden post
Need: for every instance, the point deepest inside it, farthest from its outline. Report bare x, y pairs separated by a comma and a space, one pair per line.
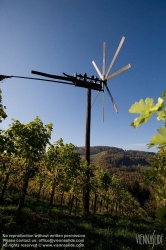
87, 151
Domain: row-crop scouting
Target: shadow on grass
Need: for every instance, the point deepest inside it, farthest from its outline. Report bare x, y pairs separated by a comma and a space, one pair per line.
101, 231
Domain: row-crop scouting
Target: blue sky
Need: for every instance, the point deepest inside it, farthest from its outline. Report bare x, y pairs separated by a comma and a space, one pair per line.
56, 36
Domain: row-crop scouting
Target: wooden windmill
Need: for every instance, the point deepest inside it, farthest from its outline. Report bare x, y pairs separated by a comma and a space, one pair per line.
105, 77
90, 83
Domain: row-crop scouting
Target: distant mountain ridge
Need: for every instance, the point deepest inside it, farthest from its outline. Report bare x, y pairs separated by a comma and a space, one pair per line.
108, 157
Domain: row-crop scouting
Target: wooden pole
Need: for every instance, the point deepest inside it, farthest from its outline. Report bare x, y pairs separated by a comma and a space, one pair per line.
87, 151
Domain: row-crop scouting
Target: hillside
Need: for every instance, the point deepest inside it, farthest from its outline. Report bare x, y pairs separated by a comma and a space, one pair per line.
108, 157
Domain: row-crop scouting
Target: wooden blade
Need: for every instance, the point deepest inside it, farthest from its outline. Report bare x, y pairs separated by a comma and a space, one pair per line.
97, 69
119, 71
114, 104
104, 59
95, 98
103, 106
115, 56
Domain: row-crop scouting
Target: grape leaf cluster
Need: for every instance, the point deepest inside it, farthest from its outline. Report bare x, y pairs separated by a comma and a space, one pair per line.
146, 109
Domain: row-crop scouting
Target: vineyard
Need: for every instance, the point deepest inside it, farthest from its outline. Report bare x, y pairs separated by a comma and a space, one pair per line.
43, 191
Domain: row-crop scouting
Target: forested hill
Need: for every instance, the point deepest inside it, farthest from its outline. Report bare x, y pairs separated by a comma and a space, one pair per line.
108, 157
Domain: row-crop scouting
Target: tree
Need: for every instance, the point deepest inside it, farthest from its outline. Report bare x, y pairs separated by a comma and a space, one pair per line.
64, 163
7, 160
3, 114
139, 193
53, 160
30, 141
96, 185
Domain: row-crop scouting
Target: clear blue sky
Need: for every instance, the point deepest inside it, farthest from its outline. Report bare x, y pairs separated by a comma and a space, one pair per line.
56, 36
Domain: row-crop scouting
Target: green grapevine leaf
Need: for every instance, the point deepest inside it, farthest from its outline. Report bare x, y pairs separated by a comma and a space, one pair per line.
141, 106
161, 115
158, 139
158, 105
139, 120
146, 109
162, 131
163, 94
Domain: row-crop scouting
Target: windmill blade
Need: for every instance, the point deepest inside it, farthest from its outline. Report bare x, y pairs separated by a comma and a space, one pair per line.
103, 74
119, 71
95, 98
104, 59
102, 103
114, 104
115, 56
103, 106
97, 69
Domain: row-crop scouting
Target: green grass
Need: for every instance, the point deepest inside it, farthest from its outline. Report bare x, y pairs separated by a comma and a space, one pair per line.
101, 231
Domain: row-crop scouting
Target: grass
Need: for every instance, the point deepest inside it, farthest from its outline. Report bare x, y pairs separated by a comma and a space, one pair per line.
101, 231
